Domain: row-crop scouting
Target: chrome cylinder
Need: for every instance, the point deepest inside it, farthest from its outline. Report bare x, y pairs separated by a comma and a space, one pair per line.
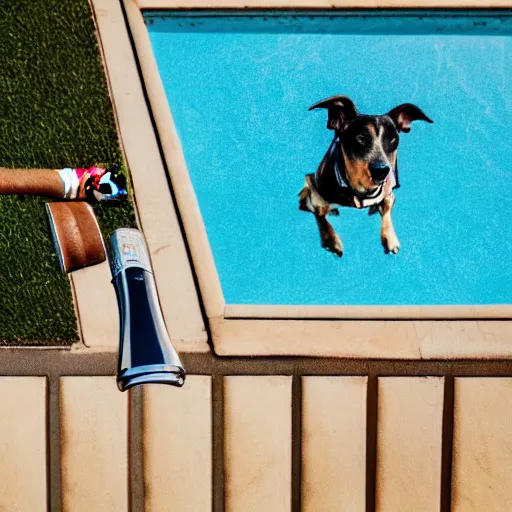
146, 354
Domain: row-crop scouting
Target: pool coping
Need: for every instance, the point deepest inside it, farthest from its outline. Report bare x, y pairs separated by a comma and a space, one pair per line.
403, 332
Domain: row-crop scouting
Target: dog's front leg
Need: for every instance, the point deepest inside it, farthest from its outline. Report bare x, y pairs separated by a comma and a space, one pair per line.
387, 232
330, 240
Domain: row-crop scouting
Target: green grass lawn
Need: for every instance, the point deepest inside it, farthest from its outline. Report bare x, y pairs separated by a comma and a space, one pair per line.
54, 112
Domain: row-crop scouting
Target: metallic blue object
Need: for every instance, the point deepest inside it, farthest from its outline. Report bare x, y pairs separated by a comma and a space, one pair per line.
146, 354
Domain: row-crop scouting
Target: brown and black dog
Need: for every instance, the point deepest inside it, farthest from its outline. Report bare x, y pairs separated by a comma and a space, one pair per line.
359, 169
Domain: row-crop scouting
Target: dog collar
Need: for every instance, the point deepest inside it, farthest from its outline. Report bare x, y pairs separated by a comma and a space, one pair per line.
337, 173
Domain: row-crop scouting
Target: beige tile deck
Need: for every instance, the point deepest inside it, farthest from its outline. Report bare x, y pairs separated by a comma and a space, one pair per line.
94, 437
465, 339
482, 445
23, 479
409, 439
258, 444
178, 446
333, 444
97, 306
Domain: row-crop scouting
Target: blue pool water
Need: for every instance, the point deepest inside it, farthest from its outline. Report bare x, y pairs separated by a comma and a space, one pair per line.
239, 88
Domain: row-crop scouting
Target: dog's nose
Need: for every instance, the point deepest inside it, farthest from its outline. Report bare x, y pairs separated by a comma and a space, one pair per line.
379, 171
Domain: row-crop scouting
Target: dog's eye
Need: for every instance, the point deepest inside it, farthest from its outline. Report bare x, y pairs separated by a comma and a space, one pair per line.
362, 139
393, 142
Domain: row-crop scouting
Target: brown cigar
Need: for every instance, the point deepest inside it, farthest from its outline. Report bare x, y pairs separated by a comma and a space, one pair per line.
76, 235
40, 182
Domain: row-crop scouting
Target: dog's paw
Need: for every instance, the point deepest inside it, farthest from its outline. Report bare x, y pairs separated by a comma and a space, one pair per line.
334, 245
390, 243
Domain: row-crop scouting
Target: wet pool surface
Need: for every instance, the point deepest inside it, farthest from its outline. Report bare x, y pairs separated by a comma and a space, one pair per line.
239, 88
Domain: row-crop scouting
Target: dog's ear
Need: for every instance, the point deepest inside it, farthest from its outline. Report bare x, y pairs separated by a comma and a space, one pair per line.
340, 110
405, 114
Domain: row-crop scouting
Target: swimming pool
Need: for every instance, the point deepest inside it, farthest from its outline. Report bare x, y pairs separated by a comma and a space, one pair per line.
239, 87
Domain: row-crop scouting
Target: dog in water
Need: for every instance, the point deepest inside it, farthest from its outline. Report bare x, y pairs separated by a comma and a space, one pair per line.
359, 169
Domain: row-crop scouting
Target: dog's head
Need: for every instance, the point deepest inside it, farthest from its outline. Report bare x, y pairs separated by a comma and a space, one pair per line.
368, 143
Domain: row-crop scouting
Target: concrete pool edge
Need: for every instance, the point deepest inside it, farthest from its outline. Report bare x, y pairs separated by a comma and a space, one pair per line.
439, 332
448, 312
197, 238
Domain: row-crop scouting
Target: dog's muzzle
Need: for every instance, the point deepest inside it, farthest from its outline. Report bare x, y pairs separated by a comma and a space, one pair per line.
379, 171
